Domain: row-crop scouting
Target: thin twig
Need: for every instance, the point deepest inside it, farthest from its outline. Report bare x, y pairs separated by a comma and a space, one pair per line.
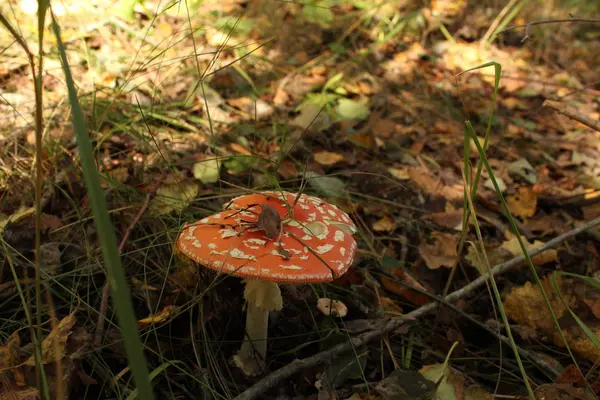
106, 288
551, 21
573, 114
327, 356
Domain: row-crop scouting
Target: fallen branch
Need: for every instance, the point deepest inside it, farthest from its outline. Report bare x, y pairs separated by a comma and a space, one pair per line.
327, 356
573, 114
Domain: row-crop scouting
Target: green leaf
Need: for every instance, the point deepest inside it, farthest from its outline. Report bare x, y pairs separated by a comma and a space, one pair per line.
326, 185
238, 164
350, 110
318, 14
389, 262
207, 171
174, 197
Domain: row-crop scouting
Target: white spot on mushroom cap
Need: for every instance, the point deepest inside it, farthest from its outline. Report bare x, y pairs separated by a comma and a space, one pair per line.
343, 251
307, 237
324, 248
227, 233
212, 246
254, 243
237, 253
289, 266
338, 236
196, 243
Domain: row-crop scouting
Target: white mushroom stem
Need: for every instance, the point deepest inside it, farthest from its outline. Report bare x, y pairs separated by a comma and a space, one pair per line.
261, 297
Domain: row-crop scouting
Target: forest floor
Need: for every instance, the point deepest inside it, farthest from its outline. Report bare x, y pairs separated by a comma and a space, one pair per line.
191, 104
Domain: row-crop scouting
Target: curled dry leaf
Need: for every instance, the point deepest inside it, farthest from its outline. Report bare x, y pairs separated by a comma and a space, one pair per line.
399, 173
56, 341
439, 251
331, 307
404, 289
161, 316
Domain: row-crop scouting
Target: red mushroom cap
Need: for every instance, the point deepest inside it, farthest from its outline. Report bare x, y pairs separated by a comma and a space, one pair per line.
312, 247
307, 209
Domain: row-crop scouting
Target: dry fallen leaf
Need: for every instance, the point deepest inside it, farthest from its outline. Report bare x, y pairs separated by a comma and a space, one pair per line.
385, 224
447, 184
55, 342
544, 257
161, 316
328, 158
439, 251
448, 220
523, 203
394, 286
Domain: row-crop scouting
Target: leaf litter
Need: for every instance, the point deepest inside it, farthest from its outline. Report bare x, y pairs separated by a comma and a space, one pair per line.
367, 112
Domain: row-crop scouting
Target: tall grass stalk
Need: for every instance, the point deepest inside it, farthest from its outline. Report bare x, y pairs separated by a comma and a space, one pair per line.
115, 273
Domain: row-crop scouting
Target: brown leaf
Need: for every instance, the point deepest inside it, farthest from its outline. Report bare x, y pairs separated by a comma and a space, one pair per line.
449, 220
59, 335
394, 286
51, 222
524, 203
447, 184
441, 251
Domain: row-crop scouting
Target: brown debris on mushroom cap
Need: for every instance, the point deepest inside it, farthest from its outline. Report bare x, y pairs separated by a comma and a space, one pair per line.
310, 250
308, 208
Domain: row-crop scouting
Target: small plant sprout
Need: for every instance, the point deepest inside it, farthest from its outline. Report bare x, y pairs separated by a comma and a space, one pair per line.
270, 238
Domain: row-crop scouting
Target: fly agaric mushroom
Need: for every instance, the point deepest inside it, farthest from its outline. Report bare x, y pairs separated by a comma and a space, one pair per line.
270, 238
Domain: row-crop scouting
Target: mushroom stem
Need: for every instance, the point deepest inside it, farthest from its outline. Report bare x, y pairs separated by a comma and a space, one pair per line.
261, 297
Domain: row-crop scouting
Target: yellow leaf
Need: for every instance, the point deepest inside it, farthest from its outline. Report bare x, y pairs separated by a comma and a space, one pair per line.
524, 203
161, 316
544, 257
328, 158
385, 224
399, 173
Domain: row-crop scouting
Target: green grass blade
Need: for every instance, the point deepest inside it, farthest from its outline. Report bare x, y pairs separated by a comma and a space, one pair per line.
498, 298
120, 290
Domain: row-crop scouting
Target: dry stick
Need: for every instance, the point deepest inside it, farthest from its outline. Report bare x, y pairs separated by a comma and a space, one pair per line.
552, 21
573, 114
327, 356
106, 289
